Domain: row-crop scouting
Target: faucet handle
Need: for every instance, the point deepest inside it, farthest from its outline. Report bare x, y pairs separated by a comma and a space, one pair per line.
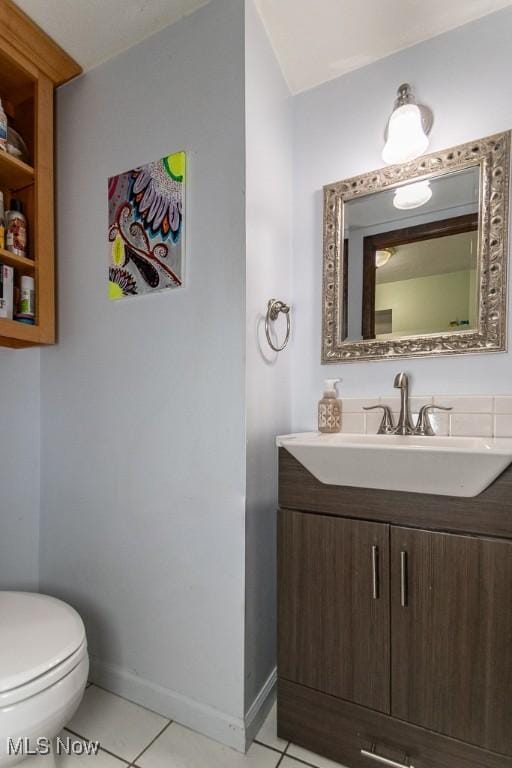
424, 426
386, 426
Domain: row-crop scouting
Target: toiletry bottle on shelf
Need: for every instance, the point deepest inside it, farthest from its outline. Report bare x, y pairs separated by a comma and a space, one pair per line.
2, 221
16, 229
329, 409
3, 128
6, 291
27, 301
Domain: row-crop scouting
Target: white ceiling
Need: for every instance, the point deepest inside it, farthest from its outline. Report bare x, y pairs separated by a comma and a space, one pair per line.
318, 40
453, 253
92, 31
314, 40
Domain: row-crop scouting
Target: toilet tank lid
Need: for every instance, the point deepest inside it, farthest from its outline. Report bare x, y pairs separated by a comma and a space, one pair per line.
37, 633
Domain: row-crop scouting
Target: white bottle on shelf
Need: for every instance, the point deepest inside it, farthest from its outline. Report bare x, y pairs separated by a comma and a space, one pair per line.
27, 303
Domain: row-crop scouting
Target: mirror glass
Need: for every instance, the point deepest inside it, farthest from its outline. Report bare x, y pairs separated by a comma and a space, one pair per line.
410, 259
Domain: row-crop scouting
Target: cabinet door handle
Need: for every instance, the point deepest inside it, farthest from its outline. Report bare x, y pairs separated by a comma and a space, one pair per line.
385, 760
375, 572
403, 580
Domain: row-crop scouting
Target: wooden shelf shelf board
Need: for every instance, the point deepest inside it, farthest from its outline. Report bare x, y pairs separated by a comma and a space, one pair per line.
14, 173
16, 330
19, 262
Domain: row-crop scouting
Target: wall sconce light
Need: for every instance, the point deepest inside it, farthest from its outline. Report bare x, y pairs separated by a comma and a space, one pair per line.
382, 256
407, 129
412, 195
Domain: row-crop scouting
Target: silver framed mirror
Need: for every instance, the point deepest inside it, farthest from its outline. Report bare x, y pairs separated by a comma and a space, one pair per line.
415, 256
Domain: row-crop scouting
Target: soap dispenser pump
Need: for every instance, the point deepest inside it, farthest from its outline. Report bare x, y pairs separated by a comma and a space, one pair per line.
329, 408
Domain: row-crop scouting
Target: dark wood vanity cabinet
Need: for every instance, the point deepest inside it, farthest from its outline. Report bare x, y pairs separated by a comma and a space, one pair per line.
334, 634
451, 649
395, 642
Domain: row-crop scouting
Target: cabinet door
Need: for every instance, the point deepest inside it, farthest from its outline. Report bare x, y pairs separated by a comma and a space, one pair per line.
334, 606
451, 633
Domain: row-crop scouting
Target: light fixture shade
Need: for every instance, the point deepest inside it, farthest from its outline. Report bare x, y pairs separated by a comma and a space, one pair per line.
406, 139
412, 195
382, 256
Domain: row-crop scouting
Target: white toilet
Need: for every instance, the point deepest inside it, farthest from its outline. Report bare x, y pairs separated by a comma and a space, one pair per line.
43, 669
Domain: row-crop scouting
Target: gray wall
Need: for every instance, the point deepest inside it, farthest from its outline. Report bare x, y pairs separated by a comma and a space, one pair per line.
464, 76
143, 433
19, 468
268, 253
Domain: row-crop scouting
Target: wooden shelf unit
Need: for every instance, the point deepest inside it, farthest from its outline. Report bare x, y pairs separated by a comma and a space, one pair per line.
32, 65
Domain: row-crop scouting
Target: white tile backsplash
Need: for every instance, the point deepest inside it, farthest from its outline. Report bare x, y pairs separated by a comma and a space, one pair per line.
356, 404
440, 422
352, 422
503, 404
471, 424
418, 402
471, 416
466, 404
372, 422
391, 402
503, 425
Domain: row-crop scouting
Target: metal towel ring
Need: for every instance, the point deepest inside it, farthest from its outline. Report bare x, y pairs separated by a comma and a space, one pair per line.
273, 309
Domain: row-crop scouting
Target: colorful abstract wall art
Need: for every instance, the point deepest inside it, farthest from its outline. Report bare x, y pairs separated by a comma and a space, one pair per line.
146, 228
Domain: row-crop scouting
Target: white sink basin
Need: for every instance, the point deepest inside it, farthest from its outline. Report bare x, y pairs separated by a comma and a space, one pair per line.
447, 466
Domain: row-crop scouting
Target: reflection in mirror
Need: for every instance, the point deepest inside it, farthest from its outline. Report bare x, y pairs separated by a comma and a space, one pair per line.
411, 259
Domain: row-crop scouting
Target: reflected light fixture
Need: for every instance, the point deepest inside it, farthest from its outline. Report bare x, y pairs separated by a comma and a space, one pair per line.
412, 195
407, 129
382, 256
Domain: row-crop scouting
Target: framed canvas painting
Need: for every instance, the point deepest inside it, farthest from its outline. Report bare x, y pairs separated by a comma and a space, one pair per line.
146, 223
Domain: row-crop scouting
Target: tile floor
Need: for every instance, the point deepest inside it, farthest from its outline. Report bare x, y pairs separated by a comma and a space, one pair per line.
133, 736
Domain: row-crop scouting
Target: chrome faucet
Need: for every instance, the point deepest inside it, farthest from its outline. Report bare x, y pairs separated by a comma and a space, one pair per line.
424, 425
386, 426
405, 425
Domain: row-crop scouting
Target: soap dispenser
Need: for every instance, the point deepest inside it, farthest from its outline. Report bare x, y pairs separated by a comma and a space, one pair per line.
329, 408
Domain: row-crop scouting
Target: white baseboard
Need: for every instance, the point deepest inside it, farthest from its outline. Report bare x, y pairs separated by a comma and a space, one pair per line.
260, 708
228, 730
199, 717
